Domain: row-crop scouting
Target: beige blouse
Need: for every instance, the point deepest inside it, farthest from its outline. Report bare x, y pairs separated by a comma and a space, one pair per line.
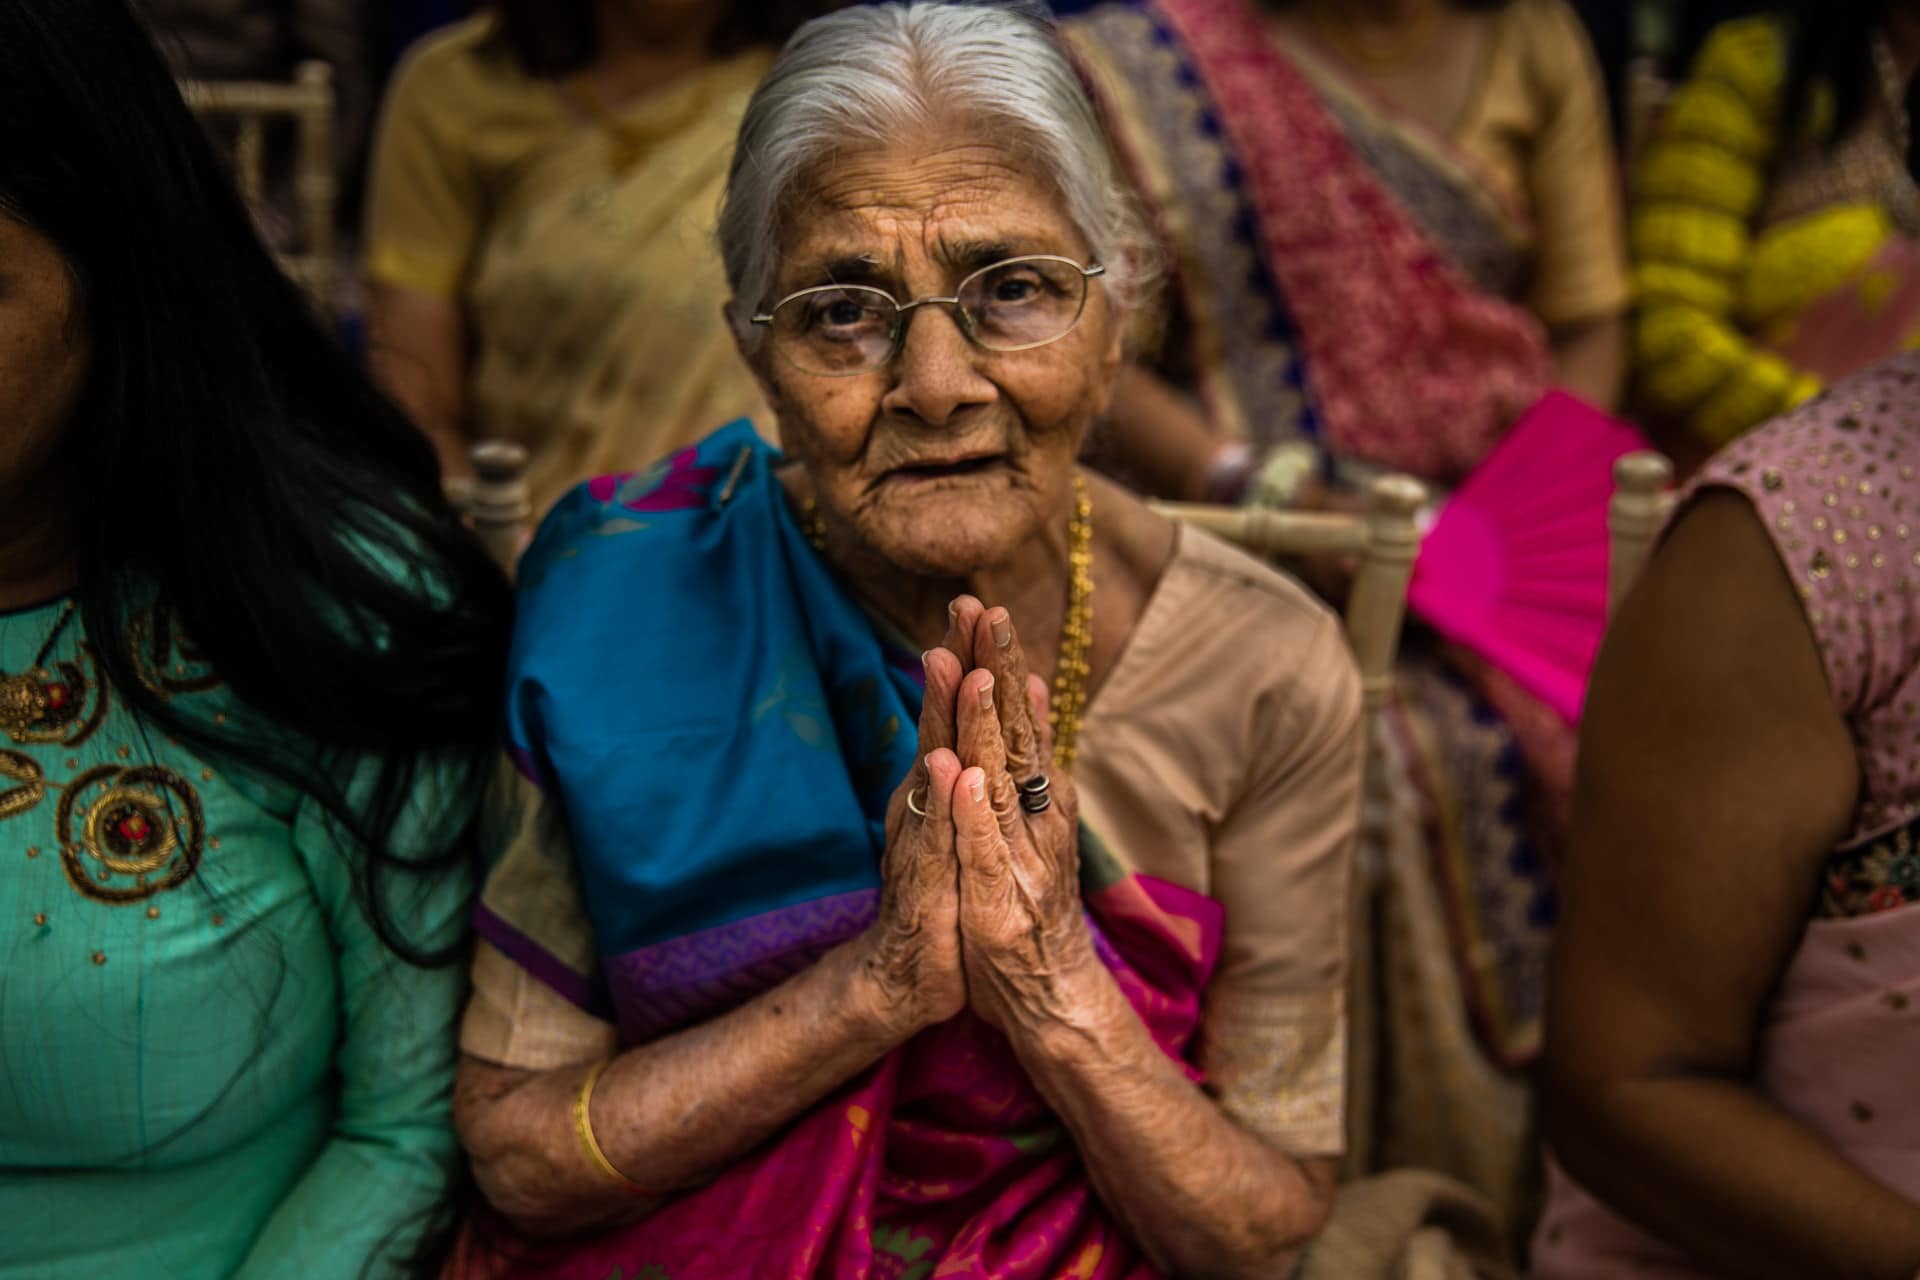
1222, 754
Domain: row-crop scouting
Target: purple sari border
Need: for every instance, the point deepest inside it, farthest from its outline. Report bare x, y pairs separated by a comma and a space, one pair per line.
537, 960
683, 979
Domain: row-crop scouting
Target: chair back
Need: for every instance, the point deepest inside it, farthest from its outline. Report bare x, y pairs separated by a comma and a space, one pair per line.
245, 108
1646, 92
1385, 538
497, 501
1641, 502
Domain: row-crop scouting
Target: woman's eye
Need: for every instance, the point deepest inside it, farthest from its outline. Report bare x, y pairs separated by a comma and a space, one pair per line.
838, 313
1014, 288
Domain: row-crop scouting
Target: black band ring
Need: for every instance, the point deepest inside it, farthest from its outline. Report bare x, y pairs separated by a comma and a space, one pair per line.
1033, 794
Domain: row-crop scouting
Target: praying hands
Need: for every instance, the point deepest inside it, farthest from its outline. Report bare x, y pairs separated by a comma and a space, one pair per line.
982, 902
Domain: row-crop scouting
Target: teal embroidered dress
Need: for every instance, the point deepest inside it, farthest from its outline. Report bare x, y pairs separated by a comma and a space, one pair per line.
210, 1066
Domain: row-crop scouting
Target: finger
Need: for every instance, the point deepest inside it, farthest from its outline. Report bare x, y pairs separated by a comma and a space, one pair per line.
978, 842
996, 641
943, 673
1039, 700
982, 747
943, 771
921, 858
963, 614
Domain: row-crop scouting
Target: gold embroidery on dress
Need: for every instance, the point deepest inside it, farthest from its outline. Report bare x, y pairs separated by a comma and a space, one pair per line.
68, 701
29, 783
142, 825
164, 657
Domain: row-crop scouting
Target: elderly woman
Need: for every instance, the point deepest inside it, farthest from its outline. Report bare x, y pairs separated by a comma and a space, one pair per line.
776, 983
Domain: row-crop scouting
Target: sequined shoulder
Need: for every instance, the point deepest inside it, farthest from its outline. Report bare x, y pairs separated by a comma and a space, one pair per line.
1834, 483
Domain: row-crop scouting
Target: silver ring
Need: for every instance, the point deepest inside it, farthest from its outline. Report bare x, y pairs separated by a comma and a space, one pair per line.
913, 808
1033, 794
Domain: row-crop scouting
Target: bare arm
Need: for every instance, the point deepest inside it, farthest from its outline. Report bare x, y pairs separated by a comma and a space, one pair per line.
1202, 1196
1159, 435
1590, 360
673, 1113
1715, 778
417, 347
1199, 1194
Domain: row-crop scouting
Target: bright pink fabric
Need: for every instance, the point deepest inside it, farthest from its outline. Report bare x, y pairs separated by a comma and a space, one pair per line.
941, 1160
1515, 565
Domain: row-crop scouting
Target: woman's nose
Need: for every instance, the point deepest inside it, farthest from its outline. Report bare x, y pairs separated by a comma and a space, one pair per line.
937, 372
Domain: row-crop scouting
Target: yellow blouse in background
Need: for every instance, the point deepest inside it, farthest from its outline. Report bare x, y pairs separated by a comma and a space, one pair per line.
1539, 130
1731, 239
592, 292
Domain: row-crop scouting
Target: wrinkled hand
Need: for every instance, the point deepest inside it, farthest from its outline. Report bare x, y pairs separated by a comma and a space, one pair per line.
914, 945
1023, 938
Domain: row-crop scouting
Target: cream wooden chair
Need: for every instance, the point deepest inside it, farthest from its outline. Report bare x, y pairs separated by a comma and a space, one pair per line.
1642, 501
248, 107
1386, 538
1646, 94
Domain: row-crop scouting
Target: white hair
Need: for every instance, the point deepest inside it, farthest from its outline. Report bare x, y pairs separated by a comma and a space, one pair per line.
870, 74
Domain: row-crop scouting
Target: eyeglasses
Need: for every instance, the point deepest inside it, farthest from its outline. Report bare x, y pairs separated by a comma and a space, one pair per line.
838, 330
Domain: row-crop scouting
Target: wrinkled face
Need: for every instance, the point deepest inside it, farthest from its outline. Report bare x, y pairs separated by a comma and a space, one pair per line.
42, 353
950, 459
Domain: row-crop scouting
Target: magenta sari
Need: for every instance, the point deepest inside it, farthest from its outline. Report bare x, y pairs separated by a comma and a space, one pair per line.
940, 1160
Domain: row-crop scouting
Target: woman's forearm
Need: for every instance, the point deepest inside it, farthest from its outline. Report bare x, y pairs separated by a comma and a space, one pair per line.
1159, 436
1591, 360
1697, 1161
1199, 1194
673, 1113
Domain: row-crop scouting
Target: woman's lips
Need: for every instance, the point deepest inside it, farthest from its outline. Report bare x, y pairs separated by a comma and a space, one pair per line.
944, 469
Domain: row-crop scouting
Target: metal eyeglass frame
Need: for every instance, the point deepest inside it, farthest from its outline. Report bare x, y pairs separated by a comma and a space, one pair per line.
903, 311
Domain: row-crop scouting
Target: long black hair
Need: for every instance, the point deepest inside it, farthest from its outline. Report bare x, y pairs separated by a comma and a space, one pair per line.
239, 468
1830, 49
558, 37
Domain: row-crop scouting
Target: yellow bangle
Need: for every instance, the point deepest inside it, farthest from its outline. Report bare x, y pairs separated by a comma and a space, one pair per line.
583, 1125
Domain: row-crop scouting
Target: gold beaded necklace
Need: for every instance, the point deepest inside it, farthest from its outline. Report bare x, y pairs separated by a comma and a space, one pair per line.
1071, 668
1076, 632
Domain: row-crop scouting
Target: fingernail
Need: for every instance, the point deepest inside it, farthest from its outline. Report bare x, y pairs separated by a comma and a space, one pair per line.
986, 695
953, 612
1002, 631
977, 785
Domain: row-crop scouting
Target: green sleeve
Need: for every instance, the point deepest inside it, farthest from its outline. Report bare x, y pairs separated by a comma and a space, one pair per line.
367, 1195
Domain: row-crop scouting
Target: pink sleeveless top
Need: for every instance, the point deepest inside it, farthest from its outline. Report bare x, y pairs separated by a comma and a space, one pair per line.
1835, 484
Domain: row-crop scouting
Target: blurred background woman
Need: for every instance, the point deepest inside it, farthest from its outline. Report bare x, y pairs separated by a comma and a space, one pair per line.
539, 235
1393, 227
247, 662
1775, 221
